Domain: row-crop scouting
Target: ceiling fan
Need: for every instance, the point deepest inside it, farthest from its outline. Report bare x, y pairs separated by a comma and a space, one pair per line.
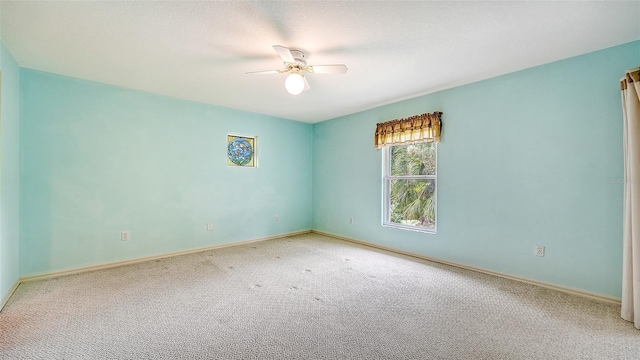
295, 65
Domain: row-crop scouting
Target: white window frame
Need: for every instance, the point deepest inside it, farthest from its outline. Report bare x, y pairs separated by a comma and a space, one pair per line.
386, 192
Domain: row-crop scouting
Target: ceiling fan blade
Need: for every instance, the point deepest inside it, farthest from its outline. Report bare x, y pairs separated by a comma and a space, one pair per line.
328, 69
284, 53
306, 84
264, 72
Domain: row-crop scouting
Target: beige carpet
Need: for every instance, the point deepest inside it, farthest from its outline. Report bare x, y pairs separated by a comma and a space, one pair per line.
304, 297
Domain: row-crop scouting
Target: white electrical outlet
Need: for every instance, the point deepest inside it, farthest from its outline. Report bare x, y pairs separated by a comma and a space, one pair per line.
277, 217
209, 226
539, 250
350, 220
124, 236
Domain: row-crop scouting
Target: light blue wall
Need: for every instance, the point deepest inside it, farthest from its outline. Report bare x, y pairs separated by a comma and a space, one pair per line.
525, 159
9, 170
99, 159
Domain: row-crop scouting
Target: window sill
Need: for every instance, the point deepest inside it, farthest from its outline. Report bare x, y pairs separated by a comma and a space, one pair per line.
410, 228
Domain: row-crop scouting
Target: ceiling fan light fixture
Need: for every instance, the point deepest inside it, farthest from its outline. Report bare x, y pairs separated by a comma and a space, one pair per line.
294, 83
294, 64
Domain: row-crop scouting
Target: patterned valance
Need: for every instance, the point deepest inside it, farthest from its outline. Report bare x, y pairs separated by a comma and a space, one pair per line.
414, 129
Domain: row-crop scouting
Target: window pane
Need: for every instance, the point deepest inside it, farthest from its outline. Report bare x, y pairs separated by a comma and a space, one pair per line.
413, 159
413, 203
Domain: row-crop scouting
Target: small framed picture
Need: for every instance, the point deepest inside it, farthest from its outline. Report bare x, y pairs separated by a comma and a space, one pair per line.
241, 150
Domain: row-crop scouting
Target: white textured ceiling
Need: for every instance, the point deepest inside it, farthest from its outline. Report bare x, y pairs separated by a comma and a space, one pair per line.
394, 50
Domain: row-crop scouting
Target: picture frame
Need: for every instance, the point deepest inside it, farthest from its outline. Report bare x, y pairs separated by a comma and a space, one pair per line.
242, 151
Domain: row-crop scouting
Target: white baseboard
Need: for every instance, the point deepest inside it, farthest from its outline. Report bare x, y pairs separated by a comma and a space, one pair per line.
153, 257
6, 297
585, 294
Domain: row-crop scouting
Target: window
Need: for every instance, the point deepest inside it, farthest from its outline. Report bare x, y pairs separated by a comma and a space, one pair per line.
410, 187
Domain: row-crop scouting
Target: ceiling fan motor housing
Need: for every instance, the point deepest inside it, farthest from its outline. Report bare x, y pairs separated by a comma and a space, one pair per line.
299, 56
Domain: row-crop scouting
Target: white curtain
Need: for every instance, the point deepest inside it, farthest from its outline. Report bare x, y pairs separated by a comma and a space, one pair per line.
630, 86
